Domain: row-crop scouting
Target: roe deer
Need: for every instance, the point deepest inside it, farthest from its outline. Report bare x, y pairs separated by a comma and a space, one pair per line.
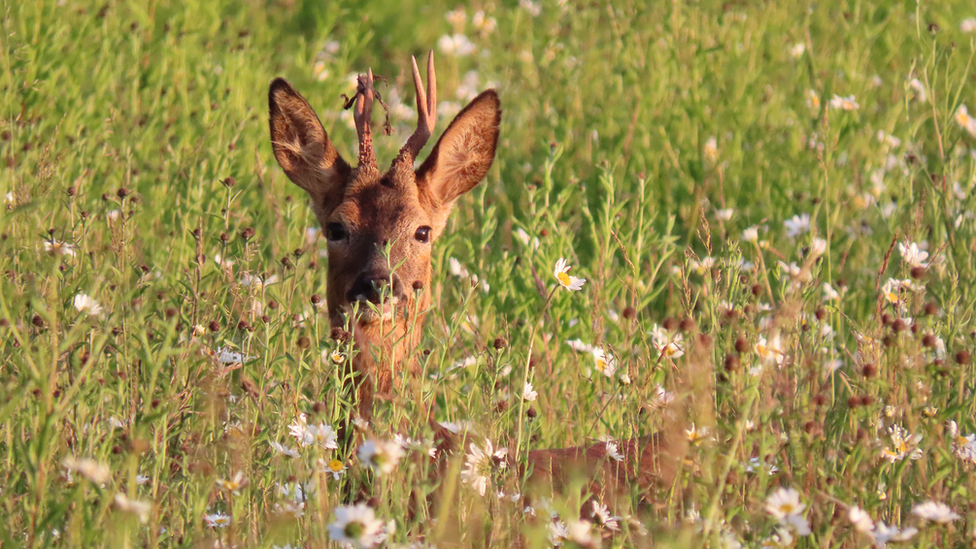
364, 212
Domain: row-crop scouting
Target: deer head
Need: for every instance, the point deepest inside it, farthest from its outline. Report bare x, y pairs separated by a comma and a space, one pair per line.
380, 226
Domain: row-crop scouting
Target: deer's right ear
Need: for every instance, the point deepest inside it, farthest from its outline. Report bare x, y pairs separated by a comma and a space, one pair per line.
301, 145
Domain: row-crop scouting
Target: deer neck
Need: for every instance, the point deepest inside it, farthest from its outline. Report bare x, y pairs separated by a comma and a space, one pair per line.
382, 352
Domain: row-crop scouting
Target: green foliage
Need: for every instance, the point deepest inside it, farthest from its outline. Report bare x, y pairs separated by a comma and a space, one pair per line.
640, 142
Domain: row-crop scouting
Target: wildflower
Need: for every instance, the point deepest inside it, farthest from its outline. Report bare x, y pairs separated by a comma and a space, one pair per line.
797, 225
557, 533
524, 238
457, 18
785, 506
613, 451
84, 303
485, 25
357, 526
797, 50
964, 447
226, 356
968, 25
782, 539
56, 247
883, 533
334, 467
139, 508
602, 517
579, 532
580, 347
381, 457
142, 479
724, 215
771, 352
529, 394
248, 280
696, 435
479, 464
751, 234
844, 103
455, 44
284, 450
534, 8
565, 280
233, 485
667, 344
813, 100
935, 512
661, 397
606, 364
912, 255
711, 149
919, 88
336, 356
830, 293
903, 444
408, 443
217, 520
818, 247
89, 468
223, 262
893, 288
861, 521
962, 118
322, 434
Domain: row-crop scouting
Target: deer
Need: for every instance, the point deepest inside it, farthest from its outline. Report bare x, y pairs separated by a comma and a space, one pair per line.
373, 219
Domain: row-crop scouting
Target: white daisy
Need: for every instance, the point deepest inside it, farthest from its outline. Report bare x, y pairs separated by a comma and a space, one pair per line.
912, 255
139, 508
83, 303
92, 470
668, 344
797, 225
565, 280
217, 520
480, 463
357, 526
862, 521
380, 456
935, 512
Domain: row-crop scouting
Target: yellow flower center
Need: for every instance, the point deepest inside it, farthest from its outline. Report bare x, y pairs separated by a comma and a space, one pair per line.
601, 364
669, 350
563, 279
335, 465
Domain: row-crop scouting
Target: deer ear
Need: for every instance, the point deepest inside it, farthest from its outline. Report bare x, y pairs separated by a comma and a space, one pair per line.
302, 147
462, 156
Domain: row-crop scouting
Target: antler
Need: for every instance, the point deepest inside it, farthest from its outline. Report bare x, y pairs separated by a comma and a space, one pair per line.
362, 114
426, 113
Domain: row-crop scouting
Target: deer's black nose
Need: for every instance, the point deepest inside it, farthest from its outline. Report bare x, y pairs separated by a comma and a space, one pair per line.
368, 286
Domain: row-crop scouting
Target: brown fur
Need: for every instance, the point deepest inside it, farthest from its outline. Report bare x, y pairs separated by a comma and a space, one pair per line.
376, 210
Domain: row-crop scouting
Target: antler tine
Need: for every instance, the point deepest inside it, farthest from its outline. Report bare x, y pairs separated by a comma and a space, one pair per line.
426, 112
362, 114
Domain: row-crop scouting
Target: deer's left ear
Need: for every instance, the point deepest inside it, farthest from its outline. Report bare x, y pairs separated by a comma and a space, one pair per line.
462, 156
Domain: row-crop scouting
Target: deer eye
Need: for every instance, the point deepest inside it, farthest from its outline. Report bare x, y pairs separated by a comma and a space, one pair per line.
423, 234
335, 231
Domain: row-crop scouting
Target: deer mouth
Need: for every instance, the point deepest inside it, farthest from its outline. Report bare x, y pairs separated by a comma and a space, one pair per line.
367, 312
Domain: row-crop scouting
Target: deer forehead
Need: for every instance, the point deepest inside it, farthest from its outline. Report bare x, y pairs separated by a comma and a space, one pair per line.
382, 209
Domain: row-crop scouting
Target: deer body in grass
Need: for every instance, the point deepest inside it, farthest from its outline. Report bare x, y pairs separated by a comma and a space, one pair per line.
374, 221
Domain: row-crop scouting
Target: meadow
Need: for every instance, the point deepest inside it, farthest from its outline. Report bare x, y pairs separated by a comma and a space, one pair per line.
771, 205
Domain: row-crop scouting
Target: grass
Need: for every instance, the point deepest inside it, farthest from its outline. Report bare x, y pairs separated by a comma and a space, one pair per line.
640, 142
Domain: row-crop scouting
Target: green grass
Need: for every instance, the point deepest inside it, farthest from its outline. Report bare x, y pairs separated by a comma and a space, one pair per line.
121, 122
